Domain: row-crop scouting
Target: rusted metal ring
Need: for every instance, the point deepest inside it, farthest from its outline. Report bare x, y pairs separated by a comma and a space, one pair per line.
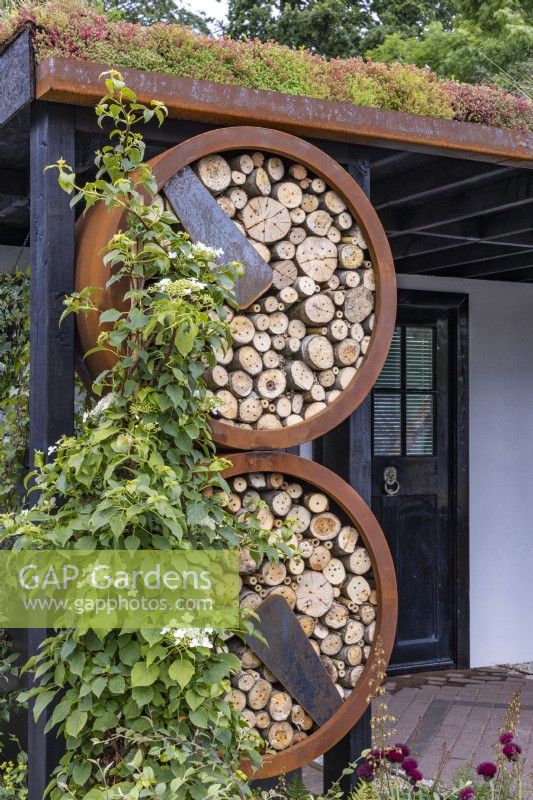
100, 224
383, 569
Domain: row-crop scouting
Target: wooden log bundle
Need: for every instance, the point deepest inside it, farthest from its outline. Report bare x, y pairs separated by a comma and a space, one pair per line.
319, 312
329, 585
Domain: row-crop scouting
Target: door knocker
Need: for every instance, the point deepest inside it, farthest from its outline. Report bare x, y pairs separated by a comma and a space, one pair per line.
392, 486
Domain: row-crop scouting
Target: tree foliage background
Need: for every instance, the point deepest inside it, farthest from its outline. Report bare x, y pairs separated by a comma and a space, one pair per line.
469, 40
476, 41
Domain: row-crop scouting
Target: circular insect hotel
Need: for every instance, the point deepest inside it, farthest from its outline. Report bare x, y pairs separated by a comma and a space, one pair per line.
327, 616
316, 302
311, 327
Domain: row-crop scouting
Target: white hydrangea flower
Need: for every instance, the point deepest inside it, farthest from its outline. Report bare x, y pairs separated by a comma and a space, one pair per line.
103, 404
192, 637
197, 283
161, 285
52, 449
202, 250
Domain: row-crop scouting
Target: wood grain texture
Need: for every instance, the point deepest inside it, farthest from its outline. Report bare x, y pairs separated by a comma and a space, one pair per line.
17, 79
352, 504
100, 224
51, 349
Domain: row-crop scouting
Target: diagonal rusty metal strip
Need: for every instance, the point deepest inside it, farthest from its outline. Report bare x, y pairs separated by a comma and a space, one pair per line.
206, 222
289, 655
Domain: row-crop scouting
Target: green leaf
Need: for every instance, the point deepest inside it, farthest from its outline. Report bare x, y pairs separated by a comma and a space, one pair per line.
117, 685
77, 664
181, 671
130, 653
111, 315
143, 675
137, 759
98, 685
75, 723
227, 663
198, 717
60, 713
194, 700
142, 695
41, 702
81, 772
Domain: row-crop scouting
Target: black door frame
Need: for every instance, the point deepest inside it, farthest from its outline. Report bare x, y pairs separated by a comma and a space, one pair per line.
456, 307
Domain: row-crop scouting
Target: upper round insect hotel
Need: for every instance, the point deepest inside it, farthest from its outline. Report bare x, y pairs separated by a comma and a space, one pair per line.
299, 346
329, 585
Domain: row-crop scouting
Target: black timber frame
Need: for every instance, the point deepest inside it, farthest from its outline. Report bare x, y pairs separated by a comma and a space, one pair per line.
347, 450
52, 136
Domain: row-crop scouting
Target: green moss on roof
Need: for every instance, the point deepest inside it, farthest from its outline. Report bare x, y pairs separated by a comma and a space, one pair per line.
69, 28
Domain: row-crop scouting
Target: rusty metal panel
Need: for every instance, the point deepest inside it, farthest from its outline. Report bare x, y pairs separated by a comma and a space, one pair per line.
74, 81
205, 221
287, 653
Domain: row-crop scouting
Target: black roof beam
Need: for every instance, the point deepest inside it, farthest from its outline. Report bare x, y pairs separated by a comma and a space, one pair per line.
500, 196
486, 229
474, 252
428, 180
395, 162
17, 87
457, 242
493, 267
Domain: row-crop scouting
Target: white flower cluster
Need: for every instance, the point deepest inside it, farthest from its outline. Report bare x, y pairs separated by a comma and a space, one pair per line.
201, 250
192, 637
101, 405
161, 285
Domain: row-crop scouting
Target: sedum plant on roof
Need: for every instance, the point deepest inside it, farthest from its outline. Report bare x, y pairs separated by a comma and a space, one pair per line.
74, 29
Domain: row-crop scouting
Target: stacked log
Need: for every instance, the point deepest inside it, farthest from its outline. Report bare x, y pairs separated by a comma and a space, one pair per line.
317, 317
329, 585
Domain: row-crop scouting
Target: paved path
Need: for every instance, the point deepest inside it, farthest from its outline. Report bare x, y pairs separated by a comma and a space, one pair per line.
457, 709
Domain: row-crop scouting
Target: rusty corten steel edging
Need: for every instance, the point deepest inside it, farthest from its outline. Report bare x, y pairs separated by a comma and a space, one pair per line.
77, 82
374, 540
100, 224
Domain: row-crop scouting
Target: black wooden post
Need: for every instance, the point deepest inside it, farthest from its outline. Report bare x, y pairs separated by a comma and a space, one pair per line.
347, 451
51, 347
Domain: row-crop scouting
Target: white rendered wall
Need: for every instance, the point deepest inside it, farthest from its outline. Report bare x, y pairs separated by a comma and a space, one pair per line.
501, 465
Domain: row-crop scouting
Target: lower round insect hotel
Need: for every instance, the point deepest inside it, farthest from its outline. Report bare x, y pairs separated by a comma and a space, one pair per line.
327, 616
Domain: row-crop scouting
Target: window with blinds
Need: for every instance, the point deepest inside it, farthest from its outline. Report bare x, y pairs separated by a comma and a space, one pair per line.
403, 421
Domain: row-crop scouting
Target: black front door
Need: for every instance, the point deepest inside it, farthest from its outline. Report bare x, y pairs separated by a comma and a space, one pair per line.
412, 491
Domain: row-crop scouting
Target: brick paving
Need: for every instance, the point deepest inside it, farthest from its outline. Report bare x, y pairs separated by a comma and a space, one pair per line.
459, 710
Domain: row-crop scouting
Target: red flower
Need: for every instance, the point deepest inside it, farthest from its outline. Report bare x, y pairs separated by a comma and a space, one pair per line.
403, 748
415, 775
467, 793
394, 755
511, 751
506, 737
409, 764
365, 771
487, 770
